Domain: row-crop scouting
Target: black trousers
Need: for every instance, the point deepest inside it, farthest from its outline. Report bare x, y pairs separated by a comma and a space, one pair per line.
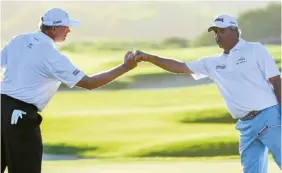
21, 143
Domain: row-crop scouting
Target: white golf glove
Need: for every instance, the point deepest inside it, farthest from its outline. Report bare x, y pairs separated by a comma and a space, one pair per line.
16, 115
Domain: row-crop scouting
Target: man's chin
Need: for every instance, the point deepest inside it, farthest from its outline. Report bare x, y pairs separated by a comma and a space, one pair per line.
61, 40
219, 45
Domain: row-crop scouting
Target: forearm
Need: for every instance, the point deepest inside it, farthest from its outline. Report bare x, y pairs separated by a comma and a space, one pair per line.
276, 83
106, 77
277, 91
103, 78
170, 65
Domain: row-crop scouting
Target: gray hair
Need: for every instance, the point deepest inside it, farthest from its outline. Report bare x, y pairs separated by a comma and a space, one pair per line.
239, 32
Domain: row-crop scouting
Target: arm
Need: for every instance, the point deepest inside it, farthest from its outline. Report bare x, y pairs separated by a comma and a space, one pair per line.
276, 83
101, 79
104, 78
170, 65
60, 67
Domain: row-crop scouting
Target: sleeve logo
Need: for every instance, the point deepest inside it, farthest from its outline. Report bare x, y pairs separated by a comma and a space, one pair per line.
75, 72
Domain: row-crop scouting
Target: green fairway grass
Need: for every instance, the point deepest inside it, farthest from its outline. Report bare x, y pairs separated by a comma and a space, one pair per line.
185, 122
134, 102
205, 165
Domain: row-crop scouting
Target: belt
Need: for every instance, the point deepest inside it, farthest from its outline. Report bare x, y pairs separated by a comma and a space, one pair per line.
250, 115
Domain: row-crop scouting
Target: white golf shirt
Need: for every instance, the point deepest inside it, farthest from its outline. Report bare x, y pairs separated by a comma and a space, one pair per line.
35, 69
241, 77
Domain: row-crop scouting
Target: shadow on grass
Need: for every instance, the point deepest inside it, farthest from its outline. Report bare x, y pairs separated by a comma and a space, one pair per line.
165, 80
63, 149
206, 116
199, 150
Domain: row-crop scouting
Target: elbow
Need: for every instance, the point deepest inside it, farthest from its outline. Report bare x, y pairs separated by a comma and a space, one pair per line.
276, 83
87, 83
91, 86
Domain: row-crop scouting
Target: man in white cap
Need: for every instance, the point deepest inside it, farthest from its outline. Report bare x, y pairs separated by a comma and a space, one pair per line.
249, 82
34, 71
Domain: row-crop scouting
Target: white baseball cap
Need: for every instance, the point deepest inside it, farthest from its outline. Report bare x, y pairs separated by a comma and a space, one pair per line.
57, 17
223, 21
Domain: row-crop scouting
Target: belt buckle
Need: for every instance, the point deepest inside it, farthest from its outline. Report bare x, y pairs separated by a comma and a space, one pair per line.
250, 115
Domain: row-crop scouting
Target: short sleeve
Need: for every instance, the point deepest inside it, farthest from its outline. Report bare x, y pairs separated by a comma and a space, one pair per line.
4, 52
4, 56
199, 68
266, 62
63, 70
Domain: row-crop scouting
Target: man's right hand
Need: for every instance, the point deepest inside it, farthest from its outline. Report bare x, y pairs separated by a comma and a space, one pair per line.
129, 61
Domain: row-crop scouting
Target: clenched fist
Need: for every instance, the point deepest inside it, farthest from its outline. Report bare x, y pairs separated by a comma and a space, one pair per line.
141, 56
129, 60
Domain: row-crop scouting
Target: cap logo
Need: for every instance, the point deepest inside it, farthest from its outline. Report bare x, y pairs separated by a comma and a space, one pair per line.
219, 19
57, 22
232, 23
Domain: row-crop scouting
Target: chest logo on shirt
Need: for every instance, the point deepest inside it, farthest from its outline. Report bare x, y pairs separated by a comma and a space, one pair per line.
35, 38
221, 67
30, 45
241, 60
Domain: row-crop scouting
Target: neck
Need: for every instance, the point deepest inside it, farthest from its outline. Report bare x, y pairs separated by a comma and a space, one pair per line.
233, 44
49, 34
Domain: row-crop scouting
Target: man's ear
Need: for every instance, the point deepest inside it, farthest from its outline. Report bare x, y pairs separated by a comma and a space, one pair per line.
238, 32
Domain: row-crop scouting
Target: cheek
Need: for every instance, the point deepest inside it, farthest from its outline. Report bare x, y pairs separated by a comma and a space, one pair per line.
218, 35
227, 35
58, 32
66, 31
223, 35
63, 32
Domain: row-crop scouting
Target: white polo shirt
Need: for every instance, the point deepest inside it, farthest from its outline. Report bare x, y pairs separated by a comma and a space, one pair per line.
241, 77
35, 69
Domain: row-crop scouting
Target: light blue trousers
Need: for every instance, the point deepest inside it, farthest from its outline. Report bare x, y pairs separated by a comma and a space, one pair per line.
258, 136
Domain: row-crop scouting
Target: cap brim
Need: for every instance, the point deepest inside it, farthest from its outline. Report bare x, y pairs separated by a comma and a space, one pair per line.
214, 27
73, 23
222, 27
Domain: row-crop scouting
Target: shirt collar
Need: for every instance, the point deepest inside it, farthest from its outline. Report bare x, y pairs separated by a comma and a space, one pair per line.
239, 45
44, 38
